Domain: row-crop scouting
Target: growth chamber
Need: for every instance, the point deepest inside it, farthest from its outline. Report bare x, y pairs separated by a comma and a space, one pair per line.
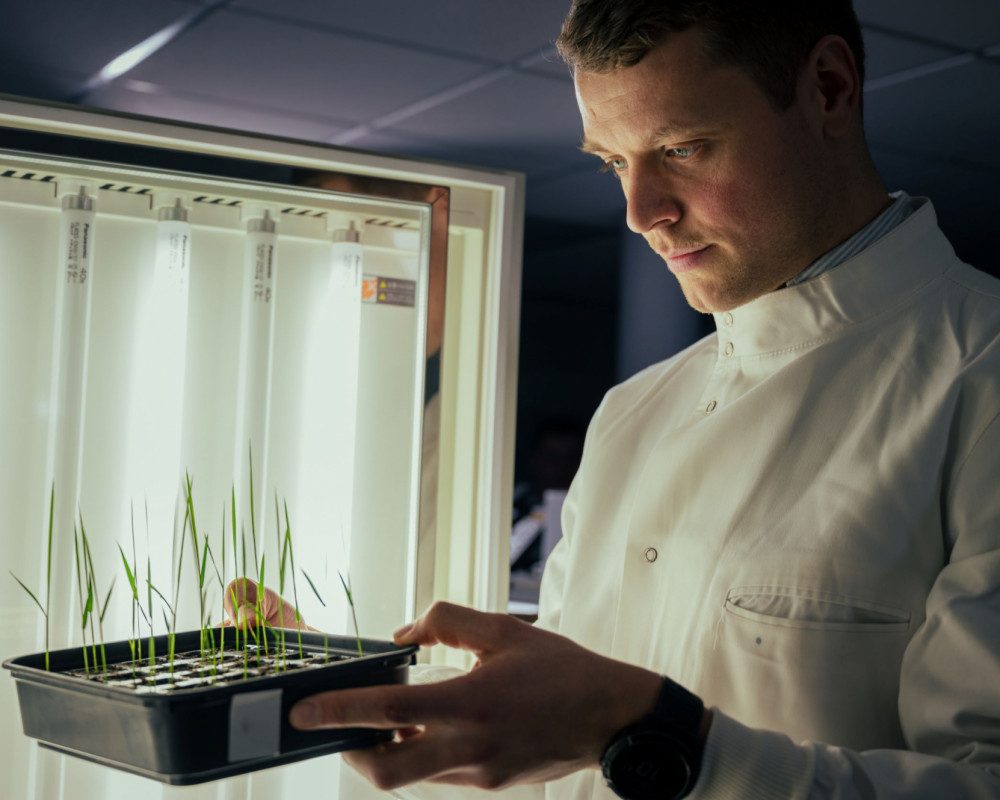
281, 326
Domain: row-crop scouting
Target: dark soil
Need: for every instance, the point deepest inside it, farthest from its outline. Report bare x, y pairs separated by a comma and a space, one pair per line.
193, 670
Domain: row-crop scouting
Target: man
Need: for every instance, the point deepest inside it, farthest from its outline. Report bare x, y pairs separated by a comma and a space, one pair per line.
796, 519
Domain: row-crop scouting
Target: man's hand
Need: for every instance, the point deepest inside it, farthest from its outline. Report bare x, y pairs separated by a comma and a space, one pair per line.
241, 603
536, 707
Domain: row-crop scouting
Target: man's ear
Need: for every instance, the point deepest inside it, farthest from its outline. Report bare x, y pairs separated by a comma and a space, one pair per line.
833, 86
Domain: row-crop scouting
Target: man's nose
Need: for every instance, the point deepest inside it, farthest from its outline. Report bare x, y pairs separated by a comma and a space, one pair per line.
651, 199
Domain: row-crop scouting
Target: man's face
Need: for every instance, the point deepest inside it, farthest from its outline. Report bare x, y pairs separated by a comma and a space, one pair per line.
728, 190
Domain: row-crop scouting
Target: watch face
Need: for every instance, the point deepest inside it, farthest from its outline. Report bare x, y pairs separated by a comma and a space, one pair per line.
648, 767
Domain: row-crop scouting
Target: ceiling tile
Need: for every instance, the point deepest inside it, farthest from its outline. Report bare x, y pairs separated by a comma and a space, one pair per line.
480, 29
292, 68
516, 112
150, 102
80, 37
534, 163
965, 23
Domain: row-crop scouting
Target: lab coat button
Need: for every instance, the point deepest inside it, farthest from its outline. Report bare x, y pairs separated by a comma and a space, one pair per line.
650, 554
729, 348
727, 318
710, 407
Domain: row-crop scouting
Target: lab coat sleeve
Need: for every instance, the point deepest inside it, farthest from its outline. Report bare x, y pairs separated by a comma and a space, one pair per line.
949, 700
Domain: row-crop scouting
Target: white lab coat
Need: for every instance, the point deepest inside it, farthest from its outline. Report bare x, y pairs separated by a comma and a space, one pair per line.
798, 518
804, 529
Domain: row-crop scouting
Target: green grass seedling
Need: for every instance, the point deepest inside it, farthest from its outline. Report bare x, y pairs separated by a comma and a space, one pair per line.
133, 643
84, 607
179, 535
199, 565
48, 579
149, 596
350, 601
295, 592
171, 633
206, 557
326, 640
258, 564
261, 619
220, 576
236, 572
136, 603
282, 545
100, 610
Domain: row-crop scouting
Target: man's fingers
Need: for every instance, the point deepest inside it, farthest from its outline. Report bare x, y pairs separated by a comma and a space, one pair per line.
417, 758
239, 592
244, 597
459, 627
375, 707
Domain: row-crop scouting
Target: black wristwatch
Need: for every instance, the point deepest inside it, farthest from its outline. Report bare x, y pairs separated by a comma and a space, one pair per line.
658, 758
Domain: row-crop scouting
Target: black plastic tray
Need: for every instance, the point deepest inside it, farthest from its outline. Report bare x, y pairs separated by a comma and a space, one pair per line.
199, 734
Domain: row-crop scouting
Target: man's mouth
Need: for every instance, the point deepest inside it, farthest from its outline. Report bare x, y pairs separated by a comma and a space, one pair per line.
684, 259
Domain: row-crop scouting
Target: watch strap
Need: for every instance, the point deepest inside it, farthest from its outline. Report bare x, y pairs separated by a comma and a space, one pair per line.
668, 736
679, 711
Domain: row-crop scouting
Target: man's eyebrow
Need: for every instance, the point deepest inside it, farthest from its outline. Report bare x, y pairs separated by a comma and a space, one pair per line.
666, 133
592, 147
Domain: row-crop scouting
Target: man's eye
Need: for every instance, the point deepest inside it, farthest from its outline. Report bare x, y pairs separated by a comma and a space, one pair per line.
683, 153
613, 165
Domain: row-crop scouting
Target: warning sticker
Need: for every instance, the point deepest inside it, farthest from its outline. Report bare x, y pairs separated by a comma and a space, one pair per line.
388, 291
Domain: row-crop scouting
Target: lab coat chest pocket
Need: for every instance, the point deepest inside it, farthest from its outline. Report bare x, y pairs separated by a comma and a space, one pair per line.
817, 665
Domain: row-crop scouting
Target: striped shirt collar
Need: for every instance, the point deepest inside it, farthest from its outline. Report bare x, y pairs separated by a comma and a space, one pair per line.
868, 235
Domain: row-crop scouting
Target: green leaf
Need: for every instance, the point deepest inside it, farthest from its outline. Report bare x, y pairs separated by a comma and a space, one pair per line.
79, 579
282, 548
48, 561
284, 559
166, 602
346, 590
131, 575
253, 521
194, 526
107, 597
222, 536
89, 606
180, 561
204, 563
236, 568
215, 566
30, 594
313, 587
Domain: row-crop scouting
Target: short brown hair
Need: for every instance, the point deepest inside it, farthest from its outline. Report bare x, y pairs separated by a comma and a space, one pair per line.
769, 39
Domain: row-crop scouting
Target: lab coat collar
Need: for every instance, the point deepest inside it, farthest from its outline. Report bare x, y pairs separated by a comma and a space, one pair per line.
883, 275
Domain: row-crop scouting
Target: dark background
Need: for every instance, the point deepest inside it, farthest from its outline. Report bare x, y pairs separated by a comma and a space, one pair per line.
478, 82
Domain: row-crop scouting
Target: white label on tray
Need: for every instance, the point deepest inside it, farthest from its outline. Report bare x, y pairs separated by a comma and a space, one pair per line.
255, 725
